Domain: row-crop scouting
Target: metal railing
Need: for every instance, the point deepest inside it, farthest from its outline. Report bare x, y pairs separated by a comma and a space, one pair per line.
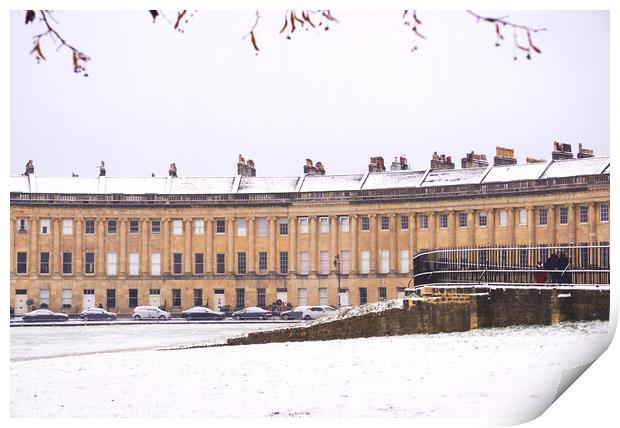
583, 264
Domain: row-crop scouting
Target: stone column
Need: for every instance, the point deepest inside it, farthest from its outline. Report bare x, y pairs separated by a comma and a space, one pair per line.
144, 246
471, 228
100, 264
56, 254
314, 242
451, 229
551, 224
491, 226
188, 246
230, 245
165, 257
33, 263
572, 224
531, 225
592, 222
251, 244
209, 256
354, 244
13, 254
292, 236
393, 244
432, 226
333, 241
510, 224
413, 238
122, 257
272, 245
79, 253
374, 243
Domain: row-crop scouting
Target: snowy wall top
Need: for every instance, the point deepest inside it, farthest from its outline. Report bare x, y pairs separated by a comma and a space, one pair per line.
309, 183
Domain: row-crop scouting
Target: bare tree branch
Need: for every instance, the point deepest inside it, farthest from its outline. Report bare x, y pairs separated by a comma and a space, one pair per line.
501, 22
78, 57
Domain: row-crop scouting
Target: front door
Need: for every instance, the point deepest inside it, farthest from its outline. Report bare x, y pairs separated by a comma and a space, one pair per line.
154, 297
21, 297
344, 297
282, 295
218, 299
88, 300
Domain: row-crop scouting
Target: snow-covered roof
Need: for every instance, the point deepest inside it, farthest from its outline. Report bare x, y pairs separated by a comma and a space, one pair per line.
309, 183
451, 177
201, 185
328, 183
393, 179
573, 167
268, 184
528, 171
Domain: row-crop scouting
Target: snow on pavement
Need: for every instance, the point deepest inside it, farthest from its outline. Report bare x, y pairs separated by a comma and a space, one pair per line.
488, 372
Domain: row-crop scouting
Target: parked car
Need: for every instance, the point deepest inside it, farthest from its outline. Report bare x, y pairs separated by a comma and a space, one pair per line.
202, 313
314, 312
252, 313
150, 313
91, 314
294, 314
39, 315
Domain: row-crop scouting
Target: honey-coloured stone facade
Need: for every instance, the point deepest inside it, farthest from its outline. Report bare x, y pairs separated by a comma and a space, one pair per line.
375, 261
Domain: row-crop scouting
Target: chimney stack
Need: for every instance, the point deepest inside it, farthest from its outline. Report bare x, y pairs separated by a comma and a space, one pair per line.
504, 156
172, 170
561, 151
29, 168
534, 160
246, 169
441, 161
399, 164
472, 160
102, 169
376, 164
585, 153
310, 169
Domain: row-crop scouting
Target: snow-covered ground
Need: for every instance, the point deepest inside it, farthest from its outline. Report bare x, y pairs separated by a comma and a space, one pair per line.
509, 372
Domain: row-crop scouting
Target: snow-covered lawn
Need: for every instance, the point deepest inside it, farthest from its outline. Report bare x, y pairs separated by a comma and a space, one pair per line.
510, 372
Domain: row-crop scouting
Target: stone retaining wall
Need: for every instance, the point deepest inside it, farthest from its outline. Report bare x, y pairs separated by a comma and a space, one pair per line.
461, 311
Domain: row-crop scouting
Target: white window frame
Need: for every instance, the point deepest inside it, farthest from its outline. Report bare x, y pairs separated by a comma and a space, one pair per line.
404, 261
67, 226
44, 296
463, 215
482, 215
561, 217
601, 213
134, 264
304, 262
364, 261
581, 211
44, 222
177, 227
111, 260
241, 225
423, 221
303, 225
324, 262
199, 226
322, 296
22, 222
385, 261
323, 224
155, 264
443, 220
344, 224
345, 262
67, 297
262, 226
502, 218
302, 296
522, 217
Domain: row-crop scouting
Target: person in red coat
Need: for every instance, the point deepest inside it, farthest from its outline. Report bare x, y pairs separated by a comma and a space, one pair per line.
540, 276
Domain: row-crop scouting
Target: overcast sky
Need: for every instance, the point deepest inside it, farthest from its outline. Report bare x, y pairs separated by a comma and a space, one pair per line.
200, 98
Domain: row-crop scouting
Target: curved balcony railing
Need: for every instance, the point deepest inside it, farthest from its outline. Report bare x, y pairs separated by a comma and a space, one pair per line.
583, 264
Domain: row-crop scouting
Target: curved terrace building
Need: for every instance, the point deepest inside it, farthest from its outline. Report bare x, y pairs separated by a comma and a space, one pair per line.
249, 241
